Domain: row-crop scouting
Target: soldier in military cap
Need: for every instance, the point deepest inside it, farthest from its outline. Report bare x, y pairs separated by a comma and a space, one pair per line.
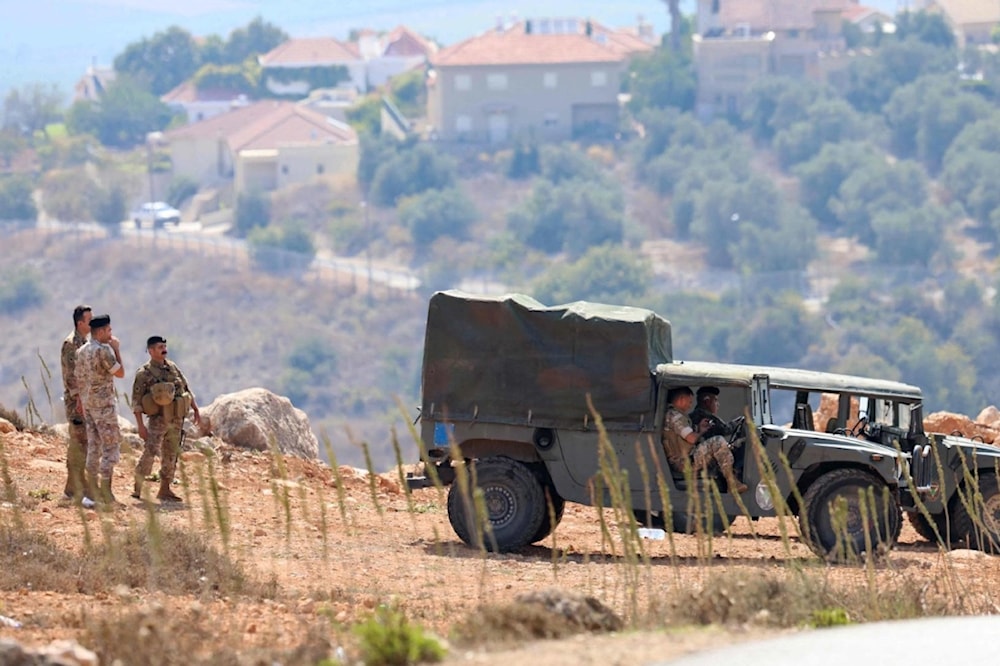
161, 392
76, 450
685, 445
706, 409
97, 364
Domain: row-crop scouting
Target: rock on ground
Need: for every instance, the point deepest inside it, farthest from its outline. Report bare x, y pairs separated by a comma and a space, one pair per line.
260, 420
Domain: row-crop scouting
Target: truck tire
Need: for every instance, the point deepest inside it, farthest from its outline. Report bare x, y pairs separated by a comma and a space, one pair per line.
514, 500
923, 527
825, 537
985, 533
558, 507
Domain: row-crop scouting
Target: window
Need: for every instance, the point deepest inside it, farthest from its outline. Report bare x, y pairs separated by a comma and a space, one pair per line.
284, 169
463, 82
598, 78
320, 169
463, 123
551, 119
496, 81
550, 79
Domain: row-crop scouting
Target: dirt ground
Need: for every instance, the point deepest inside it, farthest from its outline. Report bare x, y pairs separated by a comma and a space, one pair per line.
338, 555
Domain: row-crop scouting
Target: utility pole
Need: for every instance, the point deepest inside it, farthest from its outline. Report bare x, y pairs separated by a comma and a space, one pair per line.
368, 248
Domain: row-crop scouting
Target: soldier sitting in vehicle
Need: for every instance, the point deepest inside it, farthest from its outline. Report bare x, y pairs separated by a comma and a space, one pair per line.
684, 445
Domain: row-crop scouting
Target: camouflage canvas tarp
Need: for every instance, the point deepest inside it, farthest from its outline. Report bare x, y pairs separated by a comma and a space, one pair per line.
511, 359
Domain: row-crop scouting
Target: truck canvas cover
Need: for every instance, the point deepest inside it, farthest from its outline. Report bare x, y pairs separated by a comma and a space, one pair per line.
510, 359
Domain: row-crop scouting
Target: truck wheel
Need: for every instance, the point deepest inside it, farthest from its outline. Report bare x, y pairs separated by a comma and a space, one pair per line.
923, 527
514, 501
985, 532
558, 507
843, 538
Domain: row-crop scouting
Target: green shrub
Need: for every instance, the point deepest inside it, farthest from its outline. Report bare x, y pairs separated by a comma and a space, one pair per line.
20, 289
388, 639
181, 189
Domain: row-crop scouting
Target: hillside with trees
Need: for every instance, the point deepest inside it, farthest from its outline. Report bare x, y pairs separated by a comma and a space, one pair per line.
848, 230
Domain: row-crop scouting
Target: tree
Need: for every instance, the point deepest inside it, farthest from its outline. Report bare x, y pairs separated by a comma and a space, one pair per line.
827, 121
31, 108
70, 195
253, 210
572, 216
436, 213
909, 236
16, 201
607, 273
873, 79
123, 116
787, 244
109, 206
674, 8
820, 178
410, 171
724, 207
281, 249
925, 27
160, 63
257, 38
775, 103
876, 187
12, 143
662, 79
778, 334
926, 115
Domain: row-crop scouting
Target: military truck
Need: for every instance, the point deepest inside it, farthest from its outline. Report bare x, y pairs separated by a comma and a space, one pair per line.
529, 397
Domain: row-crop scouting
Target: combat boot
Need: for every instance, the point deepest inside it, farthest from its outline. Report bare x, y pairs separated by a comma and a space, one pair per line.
90, 491
137, 491
106, 496
735, 485
166, 494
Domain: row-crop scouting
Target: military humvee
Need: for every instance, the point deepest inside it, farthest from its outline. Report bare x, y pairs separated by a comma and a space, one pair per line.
949, 489
523, 393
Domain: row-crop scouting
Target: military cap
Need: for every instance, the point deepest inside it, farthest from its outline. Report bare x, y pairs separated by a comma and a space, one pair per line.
100, 321
154, 340
707, 390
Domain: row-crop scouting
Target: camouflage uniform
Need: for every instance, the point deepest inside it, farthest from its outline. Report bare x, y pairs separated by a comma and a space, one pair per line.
95, 368
76, 451
677, 426
161, 429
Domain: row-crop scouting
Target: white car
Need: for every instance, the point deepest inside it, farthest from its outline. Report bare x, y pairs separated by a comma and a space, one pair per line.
156, 213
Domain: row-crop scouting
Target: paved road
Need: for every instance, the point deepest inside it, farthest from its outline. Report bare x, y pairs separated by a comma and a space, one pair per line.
940, 641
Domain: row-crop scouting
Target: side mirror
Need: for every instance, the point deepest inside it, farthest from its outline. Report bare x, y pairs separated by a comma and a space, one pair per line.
772, 431
864, 408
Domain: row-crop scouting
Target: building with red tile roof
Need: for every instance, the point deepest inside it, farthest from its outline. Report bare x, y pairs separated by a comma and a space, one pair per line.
550, 78
973, 21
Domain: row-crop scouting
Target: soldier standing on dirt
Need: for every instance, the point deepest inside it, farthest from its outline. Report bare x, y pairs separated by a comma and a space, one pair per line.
683, 444
161, 392
76, 449
97, 364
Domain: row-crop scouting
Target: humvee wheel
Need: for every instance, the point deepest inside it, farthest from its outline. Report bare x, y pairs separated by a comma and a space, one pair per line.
835, 510
558, 507
984, 532
514, 501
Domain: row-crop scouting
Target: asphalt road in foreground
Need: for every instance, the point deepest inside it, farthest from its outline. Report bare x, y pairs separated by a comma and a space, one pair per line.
946, 640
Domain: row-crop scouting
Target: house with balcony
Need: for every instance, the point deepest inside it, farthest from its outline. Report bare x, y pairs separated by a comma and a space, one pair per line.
263, 146
738, 42
549, 79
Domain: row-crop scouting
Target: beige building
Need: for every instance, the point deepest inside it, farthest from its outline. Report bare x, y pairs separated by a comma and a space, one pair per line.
741, 41
972, 21
264, 146
551, 79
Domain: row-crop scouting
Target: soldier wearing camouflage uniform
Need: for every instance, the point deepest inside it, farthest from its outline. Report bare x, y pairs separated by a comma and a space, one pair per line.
76, 449
163, 435
683, 444
97, 364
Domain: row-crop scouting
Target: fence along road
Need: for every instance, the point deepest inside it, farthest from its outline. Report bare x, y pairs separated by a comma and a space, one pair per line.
349, 274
